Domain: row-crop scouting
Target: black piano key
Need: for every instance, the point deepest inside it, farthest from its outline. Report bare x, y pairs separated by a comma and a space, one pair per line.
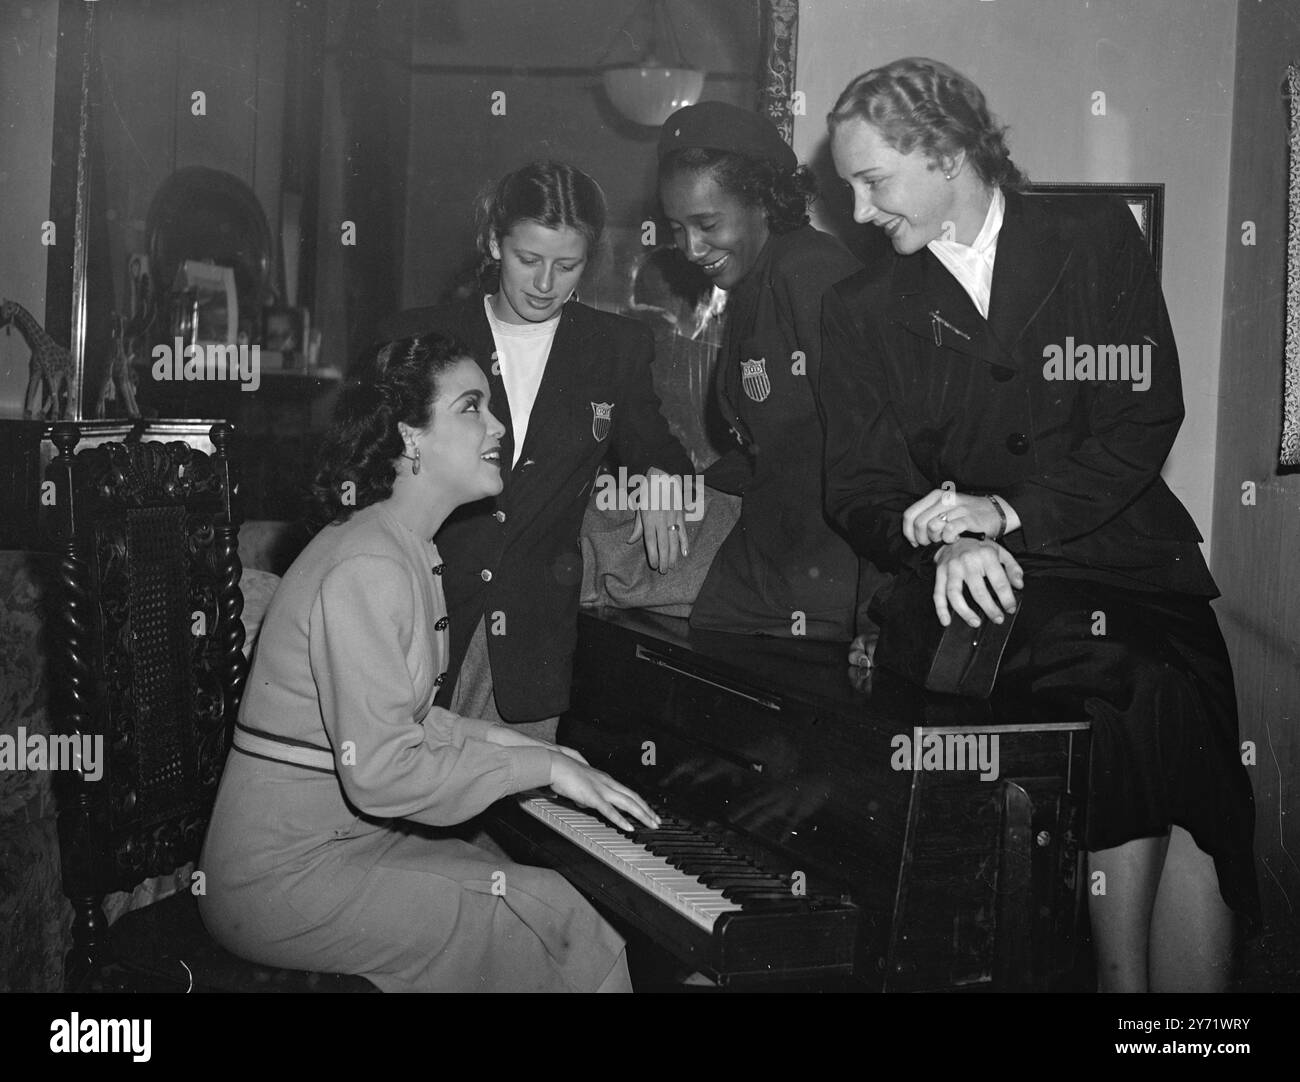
745, 872
720, 861
718, 867
685, 852
726, 883
746, 895
683, 849
774, 901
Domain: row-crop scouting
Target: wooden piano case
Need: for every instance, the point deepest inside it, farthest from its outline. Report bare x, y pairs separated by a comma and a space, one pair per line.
962, 883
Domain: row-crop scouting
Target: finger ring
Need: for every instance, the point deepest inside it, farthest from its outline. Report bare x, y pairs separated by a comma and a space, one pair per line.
943, 517
674, 527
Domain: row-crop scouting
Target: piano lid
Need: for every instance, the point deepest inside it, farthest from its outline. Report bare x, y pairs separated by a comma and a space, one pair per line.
817, 674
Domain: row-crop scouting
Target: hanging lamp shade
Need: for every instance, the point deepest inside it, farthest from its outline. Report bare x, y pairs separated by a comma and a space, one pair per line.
650, 93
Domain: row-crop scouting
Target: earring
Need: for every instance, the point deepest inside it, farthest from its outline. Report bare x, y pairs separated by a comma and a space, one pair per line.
947, 176
415, 465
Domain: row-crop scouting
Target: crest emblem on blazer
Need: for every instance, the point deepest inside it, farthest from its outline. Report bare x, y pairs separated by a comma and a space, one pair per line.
601, 418
753, 377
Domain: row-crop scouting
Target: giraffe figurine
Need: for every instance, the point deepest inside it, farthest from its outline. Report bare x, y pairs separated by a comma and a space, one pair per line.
117, 380
50, 366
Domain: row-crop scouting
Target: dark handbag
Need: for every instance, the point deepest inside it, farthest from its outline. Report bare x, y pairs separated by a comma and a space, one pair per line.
957, 659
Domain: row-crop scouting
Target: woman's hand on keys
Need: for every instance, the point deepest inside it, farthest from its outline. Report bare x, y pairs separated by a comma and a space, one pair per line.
592, 788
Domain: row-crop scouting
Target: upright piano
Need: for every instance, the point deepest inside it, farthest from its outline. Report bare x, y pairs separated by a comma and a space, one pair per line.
823, 826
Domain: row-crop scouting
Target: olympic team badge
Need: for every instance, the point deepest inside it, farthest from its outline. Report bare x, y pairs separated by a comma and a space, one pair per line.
753, 377
601, 418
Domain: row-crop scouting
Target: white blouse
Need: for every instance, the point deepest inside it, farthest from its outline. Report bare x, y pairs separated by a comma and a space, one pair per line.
972, 265
522, 351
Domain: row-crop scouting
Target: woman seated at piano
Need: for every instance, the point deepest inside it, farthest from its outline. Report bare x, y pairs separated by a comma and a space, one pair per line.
737, 201
310, 860
953, 453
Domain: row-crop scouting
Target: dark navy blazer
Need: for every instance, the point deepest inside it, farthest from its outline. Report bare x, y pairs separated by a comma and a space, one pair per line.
918, 388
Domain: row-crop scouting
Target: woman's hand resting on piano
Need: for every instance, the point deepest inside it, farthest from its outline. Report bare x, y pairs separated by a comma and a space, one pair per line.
591, 788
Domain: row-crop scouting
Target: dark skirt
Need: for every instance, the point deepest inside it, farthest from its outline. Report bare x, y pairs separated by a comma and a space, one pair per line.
1150, 671
782, 572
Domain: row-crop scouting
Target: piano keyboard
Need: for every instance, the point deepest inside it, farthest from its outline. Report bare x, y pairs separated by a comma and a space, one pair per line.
687, 894
716, 900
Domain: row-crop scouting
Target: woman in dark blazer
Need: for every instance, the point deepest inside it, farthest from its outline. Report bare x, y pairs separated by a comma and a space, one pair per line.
737, 200
1000, 397
513, 568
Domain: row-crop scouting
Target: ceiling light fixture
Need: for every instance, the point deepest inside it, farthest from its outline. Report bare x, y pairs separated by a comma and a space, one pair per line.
648, 90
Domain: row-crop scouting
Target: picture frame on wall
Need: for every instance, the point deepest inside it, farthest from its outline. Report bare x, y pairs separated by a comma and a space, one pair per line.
1146, 201
285, 338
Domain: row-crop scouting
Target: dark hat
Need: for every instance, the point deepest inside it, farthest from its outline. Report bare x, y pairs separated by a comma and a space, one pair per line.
714, 125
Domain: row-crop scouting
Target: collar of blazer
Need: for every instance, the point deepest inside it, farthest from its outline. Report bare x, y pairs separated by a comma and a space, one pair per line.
564, 368
928, 301
564, 363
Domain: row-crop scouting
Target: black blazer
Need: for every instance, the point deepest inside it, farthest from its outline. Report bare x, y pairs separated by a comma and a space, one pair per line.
514, 559
782, 556
910, 402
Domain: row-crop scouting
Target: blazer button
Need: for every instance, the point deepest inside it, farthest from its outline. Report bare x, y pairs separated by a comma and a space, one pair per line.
1002, 374
1017, 443
485, 575
439, 569
500, 516
442, 623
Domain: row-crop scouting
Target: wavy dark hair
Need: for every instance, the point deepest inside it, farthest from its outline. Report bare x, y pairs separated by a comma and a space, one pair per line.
918, 102
392, 382
783, 194
553, 194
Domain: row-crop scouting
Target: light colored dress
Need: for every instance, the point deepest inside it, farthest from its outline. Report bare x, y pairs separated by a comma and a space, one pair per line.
334, 869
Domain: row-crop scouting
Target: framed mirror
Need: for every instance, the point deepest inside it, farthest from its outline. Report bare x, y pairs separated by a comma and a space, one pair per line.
328, 153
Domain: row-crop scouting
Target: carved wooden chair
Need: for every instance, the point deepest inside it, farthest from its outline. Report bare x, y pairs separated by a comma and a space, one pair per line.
148, 655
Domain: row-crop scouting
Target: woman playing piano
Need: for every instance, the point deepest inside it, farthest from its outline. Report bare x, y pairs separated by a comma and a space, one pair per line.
310, 862
959, 450
737, 201
572, 384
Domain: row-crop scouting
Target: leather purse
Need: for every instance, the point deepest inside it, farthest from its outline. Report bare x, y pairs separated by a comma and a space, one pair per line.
957, 659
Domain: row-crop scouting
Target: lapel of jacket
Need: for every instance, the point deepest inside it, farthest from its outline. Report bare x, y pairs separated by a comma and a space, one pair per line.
1030, 261
741, 314
930, 303
563, 372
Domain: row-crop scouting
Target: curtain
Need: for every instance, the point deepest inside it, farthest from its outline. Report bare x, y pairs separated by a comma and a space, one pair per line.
1290, 455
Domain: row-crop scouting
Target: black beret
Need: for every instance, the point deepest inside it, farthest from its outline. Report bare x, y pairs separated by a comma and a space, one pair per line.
715, 125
